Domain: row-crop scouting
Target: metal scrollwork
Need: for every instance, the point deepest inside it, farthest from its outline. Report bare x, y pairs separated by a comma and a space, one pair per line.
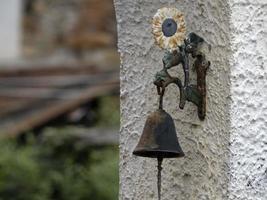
188, 92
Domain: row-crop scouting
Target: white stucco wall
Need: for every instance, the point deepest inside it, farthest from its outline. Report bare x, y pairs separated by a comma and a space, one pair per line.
248, 135
226, 150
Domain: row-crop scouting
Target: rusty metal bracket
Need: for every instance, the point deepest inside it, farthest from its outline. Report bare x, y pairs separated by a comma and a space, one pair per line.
188, 92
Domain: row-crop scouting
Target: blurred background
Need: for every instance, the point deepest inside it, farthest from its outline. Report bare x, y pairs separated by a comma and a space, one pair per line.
59, 103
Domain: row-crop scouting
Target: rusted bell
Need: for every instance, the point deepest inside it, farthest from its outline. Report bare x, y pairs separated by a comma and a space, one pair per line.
159, 138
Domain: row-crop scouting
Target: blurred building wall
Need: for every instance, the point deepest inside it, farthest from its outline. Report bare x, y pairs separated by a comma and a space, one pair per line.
10, 29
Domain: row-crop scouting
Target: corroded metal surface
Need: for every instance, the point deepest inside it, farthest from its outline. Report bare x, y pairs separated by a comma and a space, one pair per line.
188, 92
160, 159
159, 137
201, 65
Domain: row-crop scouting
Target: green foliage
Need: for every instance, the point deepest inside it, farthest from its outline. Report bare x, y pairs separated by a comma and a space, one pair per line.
109, 112
109, 181
55, 168
21, 177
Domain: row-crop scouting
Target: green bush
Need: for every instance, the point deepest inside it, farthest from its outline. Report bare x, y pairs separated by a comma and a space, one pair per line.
54, 168
21, 176
109, 111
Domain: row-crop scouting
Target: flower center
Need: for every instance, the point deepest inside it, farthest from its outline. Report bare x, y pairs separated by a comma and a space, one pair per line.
169, 27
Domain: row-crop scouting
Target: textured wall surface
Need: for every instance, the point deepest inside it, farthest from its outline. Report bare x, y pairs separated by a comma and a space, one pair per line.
248, 161
203, 173
226, 155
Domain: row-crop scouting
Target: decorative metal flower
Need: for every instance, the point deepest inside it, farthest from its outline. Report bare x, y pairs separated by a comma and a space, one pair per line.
168, 28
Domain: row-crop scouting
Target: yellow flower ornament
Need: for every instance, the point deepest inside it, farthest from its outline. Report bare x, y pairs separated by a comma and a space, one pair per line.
168, 28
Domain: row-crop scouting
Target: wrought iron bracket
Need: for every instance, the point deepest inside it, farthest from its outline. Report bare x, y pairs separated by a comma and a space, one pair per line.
188, 92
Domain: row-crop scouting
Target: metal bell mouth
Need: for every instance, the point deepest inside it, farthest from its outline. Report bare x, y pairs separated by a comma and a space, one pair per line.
159, 139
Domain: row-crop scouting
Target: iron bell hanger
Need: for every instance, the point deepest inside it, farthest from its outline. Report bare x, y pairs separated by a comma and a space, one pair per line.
159, 139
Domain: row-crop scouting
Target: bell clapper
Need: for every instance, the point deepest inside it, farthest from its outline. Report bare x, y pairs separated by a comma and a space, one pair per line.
160, 159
